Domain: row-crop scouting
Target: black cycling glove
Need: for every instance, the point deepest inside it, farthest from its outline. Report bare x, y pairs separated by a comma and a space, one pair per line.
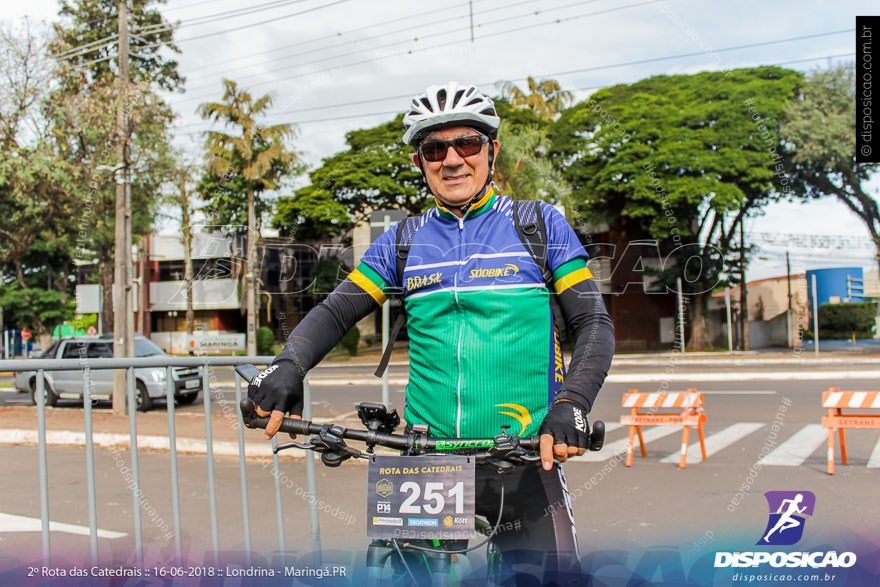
567, 423
280, 387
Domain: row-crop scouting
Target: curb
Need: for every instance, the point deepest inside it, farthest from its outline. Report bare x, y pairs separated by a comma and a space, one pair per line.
65, 438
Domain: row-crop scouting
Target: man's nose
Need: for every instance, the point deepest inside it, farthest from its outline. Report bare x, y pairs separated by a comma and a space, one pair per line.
452, 159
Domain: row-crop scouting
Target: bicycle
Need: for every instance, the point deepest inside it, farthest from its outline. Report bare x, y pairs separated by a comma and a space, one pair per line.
412, 559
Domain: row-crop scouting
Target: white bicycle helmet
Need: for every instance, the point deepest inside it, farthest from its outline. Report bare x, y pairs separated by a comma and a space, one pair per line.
447, 105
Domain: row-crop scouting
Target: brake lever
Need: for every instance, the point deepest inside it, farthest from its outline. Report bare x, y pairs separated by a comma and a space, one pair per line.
289, 445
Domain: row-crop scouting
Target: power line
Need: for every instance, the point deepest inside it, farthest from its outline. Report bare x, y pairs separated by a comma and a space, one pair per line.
209, 18
443, 33
187, 6
455, 42
253, 24
372, 114
82, 49
397, 111
225, 63
608, 66
696, 53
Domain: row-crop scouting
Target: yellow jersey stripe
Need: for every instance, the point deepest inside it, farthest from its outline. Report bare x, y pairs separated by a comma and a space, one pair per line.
576, 276
368, 286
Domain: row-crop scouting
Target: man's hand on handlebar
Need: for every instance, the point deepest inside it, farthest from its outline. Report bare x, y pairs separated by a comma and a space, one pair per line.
277, 391
564, 432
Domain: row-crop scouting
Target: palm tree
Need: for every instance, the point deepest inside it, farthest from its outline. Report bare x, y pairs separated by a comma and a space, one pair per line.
524, 170
258, 155
546, 98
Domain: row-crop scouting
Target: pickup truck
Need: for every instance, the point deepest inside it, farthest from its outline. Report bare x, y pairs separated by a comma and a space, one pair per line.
149, 381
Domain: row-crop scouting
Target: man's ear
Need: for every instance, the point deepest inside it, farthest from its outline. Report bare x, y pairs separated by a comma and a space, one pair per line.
417, 160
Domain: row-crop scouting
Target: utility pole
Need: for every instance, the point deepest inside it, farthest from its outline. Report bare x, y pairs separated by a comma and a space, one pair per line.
471, 7
250, 277
788, 313
121, 283
743, 290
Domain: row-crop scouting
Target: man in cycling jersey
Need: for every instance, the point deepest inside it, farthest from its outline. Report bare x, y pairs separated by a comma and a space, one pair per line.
484, 351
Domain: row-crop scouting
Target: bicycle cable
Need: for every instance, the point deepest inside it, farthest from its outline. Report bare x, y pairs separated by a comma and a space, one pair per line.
403, 560
466, 550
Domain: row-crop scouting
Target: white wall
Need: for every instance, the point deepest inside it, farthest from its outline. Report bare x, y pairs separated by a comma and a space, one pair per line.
208, 294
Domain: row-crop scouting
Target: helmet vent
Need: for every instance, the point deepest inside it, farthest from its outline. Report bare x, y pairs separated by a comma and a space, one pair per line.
457, 98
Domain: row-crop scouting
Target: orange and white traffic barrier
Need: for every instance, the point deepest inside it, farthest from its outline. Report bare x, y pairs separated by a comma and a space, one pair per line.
836, 400
690, 403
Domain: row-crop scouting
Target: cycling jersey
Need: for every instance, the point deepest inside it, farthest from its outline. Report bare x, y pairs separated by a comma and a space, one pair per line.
484, 351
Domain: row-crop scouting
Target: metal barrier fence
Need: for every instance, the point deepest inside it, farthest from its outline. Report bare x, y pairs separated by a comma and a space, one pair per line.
41, 366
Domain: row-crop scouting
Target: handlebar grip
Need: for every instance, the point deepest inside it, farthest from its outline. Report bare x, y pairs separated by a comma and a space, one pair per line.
288, 425
597, 436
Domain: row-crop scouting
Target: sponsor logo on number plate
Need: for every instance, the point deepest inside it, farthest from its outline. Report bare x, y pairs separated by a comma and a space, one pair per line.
421, 522
383, 521
384, 487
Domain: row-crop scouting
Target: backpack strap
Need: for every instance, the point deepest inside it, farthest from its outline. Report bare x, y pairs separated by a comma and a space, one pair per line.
529, 222
406, 230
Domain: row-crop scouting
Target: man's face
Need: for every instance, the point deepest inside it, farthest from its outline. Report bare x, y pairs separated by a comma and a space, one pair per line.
455, 180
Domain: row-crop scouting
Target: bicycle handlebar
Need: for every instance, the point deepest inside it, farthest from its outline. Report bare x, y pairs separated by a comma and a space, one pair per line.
334, 434
414, 440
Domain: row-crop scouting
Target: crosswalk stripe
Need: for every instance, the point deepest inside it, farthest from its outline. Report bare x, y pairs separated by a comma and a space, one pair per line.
874, 461
798, 448
715, 442
612, 449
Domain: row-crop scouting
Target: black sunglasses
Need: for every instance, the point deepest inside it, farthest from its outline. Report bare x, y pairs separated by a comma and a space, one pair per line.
467, 146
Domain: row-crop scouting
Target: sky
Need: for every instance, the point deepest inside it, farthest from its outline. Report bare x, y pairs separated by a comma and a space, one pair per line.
332, 66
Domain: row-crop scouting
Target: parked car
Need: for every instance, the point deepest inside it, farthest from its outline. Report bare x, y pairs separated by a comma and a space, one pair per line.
68, 384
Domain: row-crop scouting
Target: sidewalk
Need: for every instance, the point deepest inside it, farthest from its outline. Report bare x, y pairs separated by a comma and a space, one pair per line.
65, 426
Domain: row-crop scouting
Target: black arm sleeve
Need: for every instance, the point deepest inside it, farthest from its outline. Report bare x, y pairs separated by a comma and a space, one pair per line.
592, 335
326, 324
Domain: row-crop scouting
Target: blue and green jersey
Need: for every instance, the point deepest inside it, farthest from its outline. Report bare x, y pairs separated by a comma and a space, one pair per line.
483, 347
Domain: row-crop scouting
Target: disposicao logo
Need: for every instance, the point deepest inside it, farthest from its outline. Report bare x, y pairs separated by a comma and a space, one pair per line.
787, 517
785, 526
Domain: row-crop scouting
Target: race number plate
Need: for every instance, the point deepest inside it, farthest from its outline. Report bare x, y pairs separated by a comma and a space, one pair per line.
420, 497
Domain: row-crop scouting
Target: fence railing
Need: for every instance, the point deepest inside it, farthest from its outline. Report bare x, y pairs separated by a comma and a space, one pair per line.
204, 364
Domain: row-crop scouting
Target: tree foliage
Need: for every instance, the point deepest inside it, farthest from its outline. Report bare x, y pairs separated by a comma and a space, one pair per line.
81, 115
37, 202
252, 158
375, 173
545, 98
523, 168
819, 130
680, 159
86, 36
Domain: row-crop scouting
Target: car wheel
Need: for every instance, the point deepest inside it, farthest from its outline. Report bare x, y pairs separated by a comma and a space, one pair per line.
49, 396
142, 397
186, 399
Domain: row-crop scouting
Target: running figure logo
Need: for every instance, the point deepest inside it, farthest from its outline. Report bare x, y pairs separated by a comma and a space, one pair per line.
787, 511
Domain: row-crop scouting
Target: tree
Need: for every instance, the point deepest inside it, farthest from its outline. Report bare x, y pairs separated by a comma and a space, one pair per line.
180, 204
37, 204
523, 169
86, 40
680, 159
375, 173
259, 158
819, 131
545, 98
83, 108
